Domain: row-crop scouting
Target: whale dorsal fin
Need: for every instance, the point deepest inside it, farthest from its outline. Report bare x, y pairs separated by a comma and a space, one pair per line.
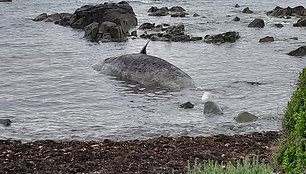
144, 49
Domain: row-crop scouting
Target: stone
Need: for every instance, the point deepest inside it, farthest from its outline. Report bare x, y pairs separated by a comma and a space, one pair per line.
187, 105
300, 23
247, 10
284, 12
257, 23
279, 25
177, 9
196, 15
298, 52
267, 39
5, 122
146, 26
41, 17
153, 9
159, 13
237, 6
134, 33
196, 38
245, 117
180, 14
236, 19
222, 38
211, 107
5, 0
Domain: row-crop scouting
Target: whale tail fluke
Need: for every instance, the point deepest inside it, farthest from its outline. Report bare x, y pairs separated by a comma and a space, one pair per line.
144, 49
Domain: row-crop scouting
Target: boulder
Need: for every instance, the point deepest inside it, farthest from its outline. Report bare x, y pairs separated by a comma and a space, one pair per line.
153, 9
177, 9
282, 12
5, 0
211, 107
267, 39
187, 105
300, 23
160, 12
119, 17
237, 6
222, 38
298, 52
196, 15
259, 23
247, 10
245, 117
5, 122
236, 19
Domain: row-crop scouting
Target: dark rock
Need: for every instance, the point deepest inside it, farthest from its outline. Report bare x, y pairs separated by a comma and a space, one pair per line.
279, 25
41, 17
250, 83
146, 26
237, 6
267, 39
153, 9
177, 9
5, 0
222, 38
196, 15
298, 52
134, 33
282, 12
247, 10
212, 108
236, 19
259, 23
245, 117
196, 38
5, 122
160, 12
300, 23
180, 14
187, 105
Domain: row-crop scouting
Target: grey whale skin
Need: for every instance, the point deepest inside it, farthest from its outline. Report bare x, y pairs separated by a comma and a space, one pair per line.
147, 70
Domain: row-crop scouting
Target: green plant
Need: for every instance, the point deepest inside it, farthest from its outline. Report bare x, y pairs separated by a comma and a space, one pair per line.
244, 167
291, 155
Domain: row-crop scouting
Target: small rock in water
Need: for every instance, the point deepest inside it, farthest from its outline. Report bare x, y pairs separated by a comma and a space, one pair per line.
247, 10
187, 105
279, 25
5, 122
237, 5
212, 108
196, 15
259, 23
236, 19
245, 117
300, 23
267, 39
298, 52
134, 33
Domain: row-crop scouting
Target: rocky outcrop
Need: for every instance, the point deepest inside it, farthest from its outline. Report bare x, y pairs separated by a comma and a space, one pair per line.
257, 23
298, 52
245, 117
211, 107
106, 22
222, 38
168, 33
267, 39
247, 10
176, 11
300, 23
5, 122
282, 12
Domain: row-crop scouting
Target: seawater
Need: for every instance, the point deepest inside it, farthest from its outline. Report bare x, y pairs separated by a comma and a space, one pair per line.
49, 89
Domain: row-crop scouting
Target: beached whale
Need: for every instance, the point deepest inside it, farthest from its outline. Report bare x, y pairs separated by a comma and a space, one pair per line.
147, 70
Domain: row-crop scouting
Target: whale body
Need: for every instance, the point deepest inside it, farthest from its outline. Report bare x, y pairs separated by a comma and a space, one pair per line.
146, 70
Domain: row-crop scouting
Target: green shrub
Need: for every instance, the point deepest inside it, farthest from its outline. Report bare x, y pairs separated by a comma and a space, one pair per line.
291, 154
246, 167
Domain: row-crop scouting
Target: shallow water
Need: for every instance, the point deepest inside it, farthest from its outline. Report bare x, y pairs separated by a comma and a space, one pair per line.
49, 89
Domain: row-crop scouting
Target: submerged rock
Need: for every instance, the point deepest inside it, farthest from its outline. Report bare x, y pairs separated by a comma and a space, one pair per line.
247, 10
91, 18
282, 12
222, 38
245, 117
236, 19
267, 39
211, 107
279, 25
298, 52
300, 23
5, 122
187, 105
259, 23
196, 15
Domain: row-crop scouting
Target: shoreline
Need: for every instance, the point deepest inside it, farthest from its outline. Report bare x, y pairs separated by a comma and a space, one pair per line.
156, 155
